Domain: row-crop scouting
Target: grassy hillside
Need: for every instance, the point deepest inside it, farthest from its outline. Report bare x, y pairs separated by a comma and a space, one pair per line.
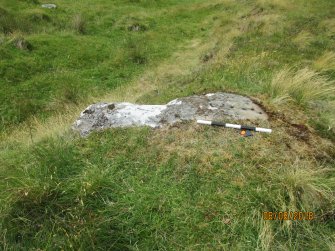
186, 187
80, 50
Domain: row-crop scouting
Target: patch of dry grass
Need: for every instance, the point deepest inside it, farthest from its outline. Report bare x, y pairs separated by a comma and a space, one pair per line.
266, 234
303, 185
79, 24
326, 62
271, 23
300, 86
35, 130
303, 39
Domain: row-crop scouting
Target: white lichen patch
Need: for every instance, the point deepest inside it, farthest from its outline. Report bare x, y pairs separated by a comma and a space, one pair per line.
175, 102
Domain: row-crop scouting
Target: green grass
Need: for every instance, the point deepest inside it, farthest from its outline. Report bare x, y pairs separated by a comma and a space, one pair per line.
125, 189
106, 55
186, 187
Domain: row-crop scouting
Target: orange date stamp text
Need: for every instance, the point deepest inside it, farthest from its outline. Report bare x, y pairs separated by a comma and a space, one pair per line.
288, 216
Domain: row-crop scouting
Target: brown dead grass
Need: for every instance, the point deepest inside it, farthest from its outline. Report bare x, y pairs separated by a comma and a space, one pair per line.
79, 24
326, 62
303, 39
266, 236
300, 86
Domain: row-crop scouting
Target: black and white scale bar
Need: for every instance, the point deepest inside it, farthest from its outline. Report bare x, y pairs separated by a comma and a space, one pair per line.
241, 127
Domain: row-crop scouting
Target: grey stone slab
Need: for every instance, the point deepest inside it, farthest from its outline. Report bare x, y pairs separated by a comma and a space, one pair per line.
49, 6
214, 106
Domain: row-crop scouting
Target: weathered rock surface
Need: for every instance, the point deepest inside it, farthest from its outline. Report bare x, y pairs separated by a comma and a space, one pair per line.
49, 6
214, 106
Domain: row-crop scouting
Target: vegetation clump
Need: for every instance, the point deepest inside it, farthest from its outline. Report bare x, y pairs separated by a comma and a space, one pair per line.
302, 86
79, 24
21, 43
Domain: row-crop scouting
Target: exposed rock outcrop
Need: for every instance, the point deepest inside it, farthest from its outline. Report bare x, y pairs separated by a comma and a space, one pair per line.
214, 106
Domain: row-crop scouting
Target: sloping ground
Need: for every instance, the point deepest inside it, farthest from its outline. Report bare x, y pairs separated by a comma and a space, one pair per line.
188, 186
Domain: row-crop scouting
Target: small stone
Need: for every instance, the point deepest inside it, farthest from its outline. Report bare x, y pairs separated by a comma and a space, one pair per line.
137, 27
49, 6
22, 44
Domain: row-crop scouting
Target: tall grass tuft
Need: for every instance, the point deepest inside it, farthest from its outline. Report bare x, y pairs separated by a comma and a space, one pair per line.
326, 62
79, 24
7, 21
303, 39
299, 86
10, 23
304, 189
135, 51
